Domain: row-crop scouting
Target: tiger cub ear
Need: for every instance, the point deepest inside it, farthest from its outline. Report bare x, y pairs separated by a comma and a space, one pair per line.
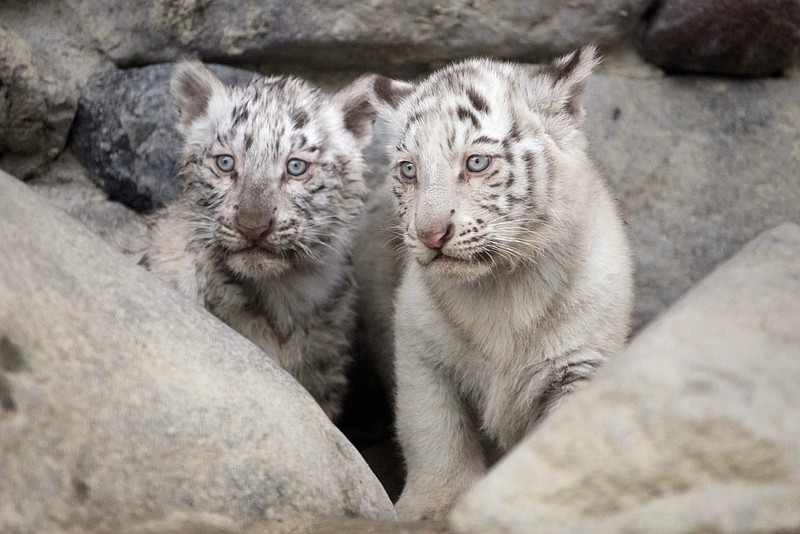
354, 103
367, 98
567, 77
387, 94
192, 86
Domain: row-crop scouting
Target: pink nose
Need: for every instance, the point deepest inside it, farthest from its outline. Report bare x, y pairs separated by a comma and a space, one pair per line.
253, 234
437, 238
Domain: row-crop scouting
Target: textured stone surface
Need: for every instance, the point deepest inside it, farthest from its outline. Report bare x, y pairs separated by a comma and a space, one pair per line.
122, 403
739, 37
124, 133
66, 184
694, 428
378, 34
339, 525
204, 523
35, 110
700, 165
56, 33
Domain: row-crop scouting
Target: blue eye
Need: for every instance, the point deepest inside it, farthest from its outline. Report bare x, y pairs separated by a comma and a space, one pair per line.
225, 162
408, 170
296, 167
478, 162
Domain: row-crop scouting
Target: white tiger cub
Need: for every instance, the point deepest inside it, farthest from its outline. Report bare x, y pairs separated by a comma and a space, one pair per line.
261, 234
518, 283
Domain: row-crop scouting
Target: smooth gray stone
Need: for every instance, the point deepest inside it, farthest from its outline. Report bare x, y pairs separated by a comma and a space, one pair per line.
700, 166
121, 402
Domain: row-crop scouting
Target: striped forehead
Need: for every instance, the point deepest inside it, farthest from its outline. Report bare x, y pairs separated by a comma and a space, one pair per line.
455, 106
273, 115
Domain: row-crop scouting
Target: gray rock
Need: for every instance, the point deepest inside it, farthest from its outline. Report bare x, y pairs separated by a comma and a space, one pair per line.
67, 185
46, 58
124, 133
700, 165
384, 34
35, 110
122, 403
694, 428
739, 37
339, 525
57, 34
205, 523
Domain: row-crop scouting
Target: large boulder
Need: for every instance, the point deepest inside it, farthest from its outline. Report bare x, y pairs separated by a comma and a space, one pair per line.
124, 133
694, 428
384, 34
122, 403
738, 37
700, 166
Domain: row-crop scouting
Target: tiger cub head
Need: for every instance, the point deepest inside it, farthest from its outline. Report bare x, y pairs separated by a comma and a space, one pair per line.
272, 170
485, 157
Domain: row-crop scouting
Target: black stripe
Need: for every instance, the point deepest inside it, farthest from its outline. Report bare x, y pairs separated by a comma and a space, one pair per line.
530, 164
384, 91
579, 371
487, 139
464, 114
300, 118
530, 161
317, 189
492, 207
569, 67
302, 140
477, 101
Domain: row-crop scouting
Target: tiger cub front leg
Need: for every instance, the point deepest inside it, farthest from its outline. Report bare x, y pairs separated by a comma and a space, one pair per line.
440, 444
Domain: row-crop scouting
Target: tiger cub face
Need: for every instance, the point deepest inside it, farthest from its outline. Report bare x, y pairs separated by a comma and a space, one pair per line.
272, 170
481, 160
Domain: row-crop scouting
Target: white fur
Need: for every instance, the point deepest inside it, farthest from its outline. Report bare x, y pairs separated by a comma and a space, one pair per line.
290, 291
534, 290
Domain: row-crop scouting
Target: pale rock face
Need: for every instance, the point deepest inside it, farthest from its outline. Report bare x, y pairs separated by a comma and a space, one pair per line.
122, 403
700, 167
383, 33
694, 426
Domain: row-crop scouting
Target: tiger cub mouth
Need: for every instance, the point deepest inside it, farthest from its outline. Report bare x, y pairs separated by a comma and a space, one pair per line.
459, 268
476, 258
255, 249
